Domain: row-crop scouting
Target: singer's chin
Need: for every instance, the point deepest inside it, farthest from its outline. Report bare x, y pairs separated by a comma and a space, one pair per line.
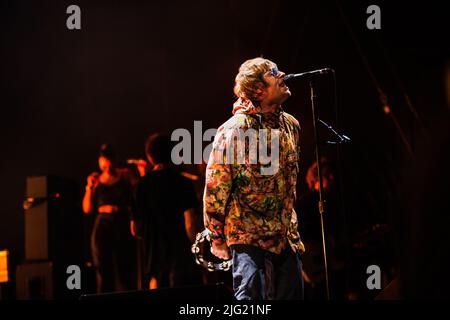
286, 95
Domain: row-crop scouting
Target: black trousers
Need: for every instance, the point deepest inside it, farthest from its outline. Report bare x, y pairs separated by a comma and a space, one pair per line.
114, 253
262, 275
178, 270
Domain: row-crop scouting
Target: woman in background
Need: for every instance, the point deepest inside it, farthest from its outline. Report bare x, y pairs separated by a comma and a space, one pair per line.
110, 194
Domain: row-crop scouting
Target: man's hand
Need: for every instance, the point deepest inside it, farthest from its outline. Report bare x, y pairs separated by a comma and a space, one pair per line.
220, 251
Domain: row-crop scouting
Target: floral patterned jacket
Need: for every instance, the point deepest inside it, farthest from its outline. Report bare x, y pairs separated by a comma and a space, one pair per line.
242, 205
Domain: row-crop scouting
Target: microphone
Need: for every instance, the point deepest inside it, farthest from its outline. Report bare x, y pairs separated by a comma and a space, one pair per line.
135, 161
342, 137
307, 75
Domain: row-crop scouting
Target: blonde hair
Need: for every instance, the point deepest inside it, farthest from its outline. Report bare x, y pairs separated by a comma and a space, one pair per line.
251, 78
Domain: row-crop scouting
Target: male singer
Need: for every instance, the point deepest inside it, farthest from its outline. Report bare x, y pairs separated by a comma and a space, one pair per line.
249, 212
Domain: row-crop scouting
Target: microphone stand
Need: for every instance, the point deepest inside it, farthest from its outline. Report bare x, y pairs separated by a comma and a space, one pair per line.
341, 140
321, 204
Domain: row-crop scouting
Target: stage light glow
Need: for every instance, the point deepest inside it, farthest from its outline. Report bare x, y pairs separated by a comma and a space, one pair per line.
4, 275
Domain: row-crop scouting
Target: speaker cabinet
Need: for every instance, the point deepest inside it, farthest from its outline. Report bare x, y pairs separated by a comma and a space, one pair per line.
34, 281
53, 239
53, 220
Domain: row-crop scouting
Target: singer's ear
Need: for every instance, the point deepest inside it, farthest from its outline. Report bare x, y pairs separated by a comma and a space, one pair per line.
260, 94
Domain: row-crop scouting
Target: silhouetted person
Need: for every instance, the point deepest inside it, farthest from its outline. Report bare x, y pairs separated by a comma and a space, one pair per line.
166, 201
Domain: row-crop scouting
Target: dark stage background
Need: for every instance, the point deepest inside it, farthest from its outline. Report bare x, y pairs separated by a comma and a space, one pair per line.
137, 67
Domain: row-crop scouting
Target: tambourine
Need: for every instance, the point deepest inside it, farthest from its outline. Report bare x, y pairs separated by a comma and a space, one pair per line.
199, 259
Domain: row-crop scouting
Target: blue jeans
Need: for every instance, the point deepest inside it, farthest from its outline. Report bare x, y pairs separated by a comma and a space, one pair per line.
262, 275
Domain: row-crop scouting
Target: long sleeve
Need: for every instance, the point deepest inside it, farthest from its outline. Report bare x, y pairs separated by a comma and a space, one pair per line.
293, 233
217, 189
